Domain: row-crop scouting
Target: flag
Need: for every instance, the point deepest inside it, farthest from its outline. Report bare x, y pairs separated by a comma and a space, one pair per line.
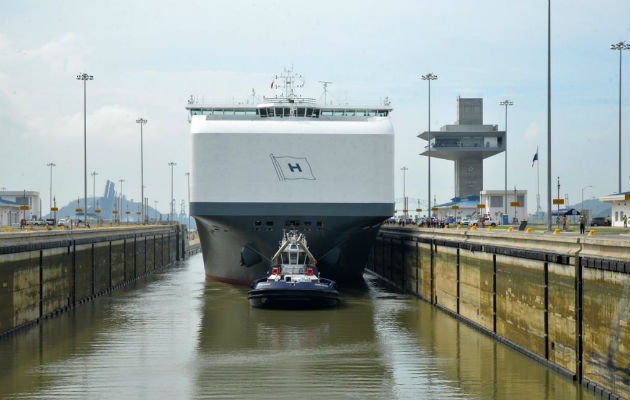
272, 82
535, 158
292, 168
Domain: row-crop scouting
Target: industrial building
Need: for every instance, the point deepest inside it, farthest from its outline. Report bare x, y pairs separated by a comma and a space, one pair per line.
620, 206
12, 200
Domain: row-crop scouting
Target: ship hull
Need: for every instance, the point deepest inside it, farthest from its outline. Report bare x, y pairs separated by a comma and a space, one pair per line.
330, 179
237, 250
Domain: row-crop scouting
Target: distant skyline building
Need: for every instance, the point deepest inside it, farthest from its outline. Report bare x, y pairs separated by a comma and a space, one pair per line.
467, 142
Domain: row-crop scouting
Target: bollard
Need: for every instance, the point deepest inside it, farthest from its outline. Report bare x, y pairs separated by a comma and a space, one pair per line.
510, 229
474, 227
528, 230
446, 226
556, 231
459, 227
489, 228
7, 229
591, 232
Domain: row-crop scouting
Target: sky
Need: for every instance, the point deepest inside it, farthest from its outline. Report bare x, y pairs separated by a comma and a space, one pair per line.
148, 57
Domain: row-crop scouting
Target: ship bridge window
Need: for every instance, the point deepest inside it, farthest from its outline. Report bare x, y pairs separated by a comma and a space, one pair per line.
349, 113
371, 113
381, 113
327, 113
196, 112
338, 113
301, 112
217, 112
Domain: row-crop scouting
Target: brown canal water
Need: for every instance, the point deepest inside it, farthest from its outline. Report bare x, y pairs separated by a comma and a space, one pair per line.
175, 336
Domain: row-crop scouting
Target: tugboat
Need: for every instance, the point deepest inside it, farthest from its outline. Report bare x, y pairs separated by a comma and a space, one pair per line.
293, 280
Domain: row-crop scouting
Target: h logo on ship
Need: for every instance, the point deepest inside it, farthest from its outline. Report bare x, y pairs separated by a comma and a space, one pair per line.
292, 168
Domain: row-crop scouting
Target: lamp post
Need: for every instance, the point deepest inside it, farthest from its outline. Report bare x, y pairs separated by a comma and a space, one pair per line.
51, 165
120, 200
155, 203
141, 121
505, 103
172, 164
94, 173
620, 46
548, 115
84, 77
188, 178
429, 77
404, 170
582, 206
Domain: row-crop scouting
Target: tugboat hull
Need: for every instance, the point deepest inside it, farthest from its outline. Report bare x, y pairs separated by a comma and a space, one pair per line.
294, 297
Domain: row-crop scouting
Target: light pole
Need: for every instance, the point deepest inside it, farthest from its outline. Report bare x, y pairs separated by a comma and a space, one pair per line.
429, 77
188, 177
404, 170
506, 103
620, 46
155, 203
141, 121
548, 115
120, 200
51, 165
172, 164
582, 206
84, 77
94, 173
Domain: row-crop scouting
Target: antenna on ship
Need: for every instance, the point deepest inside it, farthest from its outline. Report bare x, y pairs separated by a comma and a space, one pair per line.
325, 86
289, 81
253, 96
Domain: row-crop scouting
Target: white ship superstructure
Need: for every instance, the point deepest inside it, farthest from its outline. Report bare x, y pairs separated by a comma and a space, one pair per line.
289, 163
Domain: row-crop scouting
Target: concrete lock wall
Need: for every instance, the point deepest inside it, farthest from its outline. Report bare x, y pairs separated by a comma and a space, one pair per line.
564, 302
43, 274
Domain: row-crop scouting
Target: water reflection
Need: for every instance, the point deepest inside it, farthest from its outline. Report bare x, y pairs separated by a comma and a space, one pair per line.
176, 336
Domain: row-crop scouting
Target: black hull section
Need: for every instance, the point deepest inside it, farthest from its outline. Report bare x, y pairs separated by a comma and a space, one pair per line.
341, 244
293, 299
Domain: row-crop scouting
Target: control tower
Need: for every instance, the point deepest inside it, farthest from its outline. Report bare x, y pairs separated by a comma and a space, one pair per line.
467, 142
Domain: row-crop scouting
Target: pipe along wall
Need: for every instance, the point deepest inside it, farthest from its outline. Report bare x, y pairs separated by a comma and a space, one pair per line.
42, 275
565, 302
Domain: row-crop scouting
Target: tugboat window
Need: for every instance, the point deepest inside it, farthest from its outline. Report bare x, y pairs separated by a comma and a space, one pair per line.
269, 223
258, 223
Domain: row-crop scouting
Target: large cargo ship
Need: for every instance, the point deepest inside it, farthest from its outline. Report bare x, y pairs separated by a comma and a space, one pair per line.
289, 163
